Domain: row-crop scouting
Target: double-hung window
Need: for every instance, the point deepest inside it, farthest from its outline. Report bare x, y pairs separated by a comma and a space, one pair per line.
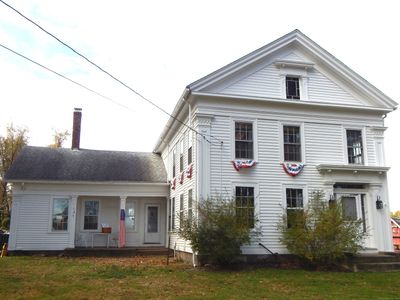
181, 148
354, 147
190, 148
173, 163
130, 220
245, 204
171, 217
294, 205
91, 217
181, 208
292, 143
60, 214
190, 205
244, 140
292, 87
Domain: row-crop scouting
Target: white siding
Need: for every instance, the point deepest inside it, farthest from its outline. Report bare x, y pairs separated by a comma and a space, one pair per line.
33, 228
322, 89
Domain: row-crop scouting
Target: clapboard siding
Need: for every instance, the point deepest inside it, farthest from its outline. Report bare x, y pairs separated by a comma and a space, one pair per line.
323, 144
34, 225
262, 83
322, 89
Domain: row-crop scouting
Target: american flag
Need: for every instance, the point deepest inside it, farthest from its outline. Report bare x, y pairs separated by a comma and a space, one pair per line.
122, 233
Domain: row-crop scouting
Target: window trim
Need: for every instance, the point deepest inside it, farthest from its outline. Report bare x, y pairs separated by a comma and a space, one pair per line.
181, 207
364, 145
302, 140
50, 227
294, 186
181, 155
190, 209
255, 135
286, 87
83, 216
255, 185
135, 207
172, 215
302, 74
173, 171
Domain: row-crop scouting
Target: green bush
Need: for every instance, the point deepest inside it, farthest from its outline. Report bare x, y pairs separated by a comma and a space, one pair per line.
321, 233
217, 232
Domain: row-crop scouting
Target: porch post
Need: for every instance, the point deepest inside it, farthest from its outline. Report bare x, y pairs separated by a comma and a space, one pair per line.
121, 236
375, 216
72, 222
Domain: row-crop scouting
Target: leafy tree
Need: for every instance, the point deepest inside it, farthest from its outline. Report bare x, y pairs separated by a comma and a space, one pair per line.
395, 214
321, 233
218, 231
10, 146
59, 138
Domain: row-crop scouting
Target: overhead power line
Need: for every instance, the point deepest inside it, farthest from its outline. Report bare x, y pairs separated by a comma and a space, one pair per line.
66, 78
106, 72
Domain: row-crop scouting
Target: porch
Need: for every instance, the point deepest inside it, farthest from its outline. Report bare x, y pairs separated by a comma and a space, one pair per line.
145, 222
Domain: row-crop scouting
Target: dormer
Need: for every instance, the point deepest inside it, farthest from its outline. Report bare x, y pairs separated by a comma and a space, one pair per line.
294, 79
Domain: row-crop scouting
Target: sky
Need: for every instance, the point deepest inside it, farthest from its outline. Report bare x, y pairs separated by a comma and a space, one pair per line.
159, 47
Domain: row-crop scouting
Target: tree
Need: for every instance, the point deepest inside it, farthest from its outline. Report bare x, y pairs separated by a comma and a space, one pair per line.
218, 231
321, 233
395, 214
59, 138
10, 146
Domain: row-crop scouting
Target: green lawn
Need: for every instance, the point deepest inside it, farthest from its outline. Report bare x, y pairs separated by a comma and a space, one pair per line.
140, 278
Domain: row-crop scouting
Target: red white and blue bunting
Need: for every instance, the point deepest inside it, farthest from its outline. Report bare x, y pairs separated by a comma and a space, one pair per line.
189, 171
243, 164
181, 177
293, 169
173, 183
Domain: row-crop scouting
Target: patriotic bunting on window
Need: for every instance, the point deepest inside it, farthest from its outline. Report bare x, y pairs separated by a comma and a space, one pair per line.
173, 183
292, 169
189, 171
181, 177
239, 164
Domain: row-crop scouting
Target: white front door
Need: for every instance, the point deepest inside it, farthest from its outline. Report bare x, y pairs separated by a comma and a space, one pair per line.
152, 233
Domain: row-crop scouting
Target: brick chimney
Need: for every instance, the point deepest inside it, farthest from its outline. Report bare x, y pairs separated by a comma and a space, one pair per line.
76, 129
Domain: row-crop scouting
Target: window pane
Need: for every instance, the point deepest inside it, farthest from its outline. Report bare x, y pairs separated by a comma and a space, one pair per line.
130, 215
91, 215
244, 140
189, 155
245, 204
294, 198
60, 214
292, 143
354, 147
349, 208
152, 219
292, 88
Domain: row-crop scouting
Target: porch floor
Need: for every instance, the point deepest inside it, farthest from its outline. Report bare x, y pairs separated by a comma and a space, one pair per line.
121, 252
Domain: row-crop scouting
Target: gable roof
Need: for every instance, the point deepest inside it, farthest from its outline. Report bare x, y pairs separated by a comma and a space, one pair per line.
199, 87
295, 37
47, 164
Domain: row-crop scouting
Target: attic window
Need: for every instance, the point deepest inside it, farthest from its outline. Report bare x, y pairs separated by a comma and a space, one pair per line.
292, 88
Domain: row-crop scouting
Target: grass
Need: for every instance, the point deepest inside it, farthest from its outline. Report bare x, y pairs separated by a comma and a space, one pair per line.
141, 278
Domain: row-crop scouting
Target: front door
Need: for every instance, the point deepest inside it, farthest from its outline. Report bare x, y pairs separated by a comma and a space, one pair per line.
353, 206
152, 234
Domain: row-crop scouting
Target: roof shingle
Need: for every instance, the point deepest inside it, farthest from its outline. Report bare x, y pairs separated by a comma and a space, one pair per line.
47, 164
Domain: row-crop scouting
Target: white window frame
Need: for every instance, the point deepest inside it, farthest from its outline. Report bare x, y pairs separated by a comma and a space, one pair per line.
302, 140
190, 209
50, 227
173, 162
303, 81
364, 141
294, 186
233, 138
255, 185
83, 216
182, 154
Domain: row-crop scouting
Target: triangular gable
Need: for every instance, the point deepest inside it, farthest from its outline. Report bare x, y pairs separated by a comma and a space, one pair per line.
330, 81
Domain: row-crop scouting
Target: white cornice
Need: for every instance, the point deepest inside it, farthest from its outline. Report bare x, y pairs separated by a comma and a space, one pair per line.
282, 63
329, 168
294, 102
116, 183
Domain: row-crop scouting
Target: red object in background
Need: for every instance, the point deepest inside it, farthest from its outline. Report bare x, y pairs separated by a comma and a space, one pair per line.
396, 233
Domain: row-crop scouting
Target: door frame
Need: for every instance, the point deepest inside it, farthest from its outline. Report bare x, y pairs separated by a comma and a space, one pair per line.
146, 234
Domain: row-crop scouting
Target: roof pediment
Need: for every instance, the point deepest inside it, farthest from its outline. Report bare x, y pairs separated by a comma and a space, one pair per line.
257, 74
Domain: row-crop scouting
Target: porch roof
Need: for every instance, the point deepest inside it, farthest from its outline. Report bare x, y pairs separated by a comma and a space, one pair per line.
47, 164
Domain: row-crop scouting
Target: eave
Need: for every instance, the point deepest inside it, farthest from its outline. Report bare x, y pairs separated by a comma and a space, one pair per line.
298, 103
330, 168
72, 182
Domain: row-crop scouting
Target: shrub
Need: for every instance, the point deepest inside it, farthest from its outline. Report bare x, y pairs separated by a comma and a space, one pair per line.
217, 233
321, 233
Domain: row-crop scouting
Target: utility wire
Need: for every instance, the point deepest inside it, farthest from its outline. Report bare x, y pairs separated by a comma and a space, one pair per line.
103, 70
66, 78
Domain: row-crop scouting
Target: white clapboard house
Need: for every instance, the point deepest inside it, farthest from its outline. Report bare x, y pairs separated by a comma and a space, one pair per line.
270, 128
